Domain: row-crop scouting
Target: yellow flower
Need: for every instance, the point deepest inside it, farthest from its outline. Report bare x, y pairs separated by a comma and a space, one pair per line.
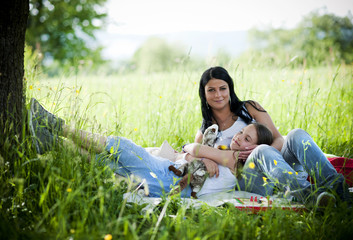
252, 165
275, 162
31, 87
290, 173
160, 96
265, 179
69, 190
77, 91
135, 129
108, 237
223, 147
72, 231
296, 173
282, 80
111, 150
300, 83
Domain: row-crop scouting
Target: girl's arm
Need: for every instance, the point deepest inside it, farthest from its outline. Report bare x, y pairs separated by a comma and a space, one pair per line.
198, 137
225, 158
212, 167
264, 118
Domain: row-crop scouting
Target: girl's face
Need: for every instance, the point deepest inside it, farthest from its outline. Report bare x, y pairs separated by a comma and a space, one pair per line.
217, 93
245, 138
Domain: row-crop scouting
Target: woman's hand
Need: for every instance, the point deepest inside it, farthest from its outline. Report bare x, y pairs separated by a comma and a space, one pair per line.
212, 167
244, 154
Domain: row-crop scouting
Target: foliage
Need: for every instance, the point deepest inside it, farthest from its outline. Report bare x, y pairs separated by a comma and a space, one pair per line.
319, 38
63, 30
156, 55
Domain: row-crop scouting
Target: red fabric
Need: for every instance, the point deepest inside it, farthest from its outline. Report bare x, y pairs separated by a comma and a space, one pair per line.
344, 166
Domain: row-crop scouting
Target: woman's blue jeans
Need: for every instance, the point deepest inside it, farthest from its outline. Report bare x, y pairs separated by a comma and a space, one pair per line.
266, 168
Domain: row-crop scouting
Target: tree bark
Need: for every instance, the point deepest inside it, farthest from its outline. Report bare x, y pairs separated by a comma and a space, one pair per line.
13, 23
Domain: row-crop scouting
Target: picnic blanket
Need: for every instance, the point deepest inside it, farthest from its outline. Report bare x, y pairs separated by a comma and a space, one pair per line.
239, 199
344, 166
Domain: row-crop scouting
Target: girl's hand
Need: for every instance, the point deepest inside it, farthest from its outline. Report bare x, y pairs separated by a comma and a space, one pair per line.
192, 148
212, 167
243, 155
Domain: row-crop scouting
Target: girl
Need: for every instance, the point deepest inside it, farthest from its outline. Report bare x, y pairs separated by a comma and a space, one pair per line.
251, 135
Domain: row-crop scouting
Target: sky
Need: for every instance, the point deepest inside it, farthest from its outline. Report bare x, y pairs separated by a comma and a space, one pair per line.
143, 18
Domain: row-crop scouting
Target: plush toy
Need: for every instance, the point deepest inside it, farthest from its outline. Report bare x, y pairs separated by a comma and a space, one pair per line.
195, 172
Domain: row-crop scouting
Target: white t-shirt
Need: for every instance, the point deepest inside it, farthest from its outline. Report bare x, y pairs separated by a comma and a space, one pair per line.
225, 136
226, 180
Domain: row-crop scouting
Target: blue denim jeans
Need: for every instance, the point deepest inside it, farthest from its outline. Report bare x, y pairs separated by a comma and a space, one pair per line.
125, 158
288, 170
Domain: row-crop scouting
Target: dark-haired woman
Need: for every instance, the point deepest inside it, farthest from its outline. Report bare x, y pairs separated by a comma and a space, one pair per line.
285, 165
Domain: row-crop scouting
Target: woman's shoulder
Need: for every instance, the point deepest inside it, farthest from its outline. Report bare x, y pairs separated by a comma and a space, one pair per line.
251, 104
253, 108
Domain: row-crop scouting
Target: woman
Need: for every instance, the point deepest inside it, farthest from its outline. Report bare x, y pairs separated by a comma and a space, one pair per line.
220, 105
284, 165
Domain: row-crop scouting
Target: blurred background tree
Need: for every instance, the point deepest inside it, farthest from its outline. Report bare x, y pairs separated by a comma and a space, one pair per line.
318, 39
63, 30
156, 55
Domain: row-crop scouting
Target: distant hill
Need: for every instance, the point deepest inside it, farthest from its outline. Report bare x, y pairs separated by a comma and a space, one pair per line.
121, 46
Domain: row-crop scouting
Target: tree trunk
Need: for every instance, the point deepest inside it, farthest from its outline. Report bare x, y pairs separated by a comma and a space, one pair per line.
13, 23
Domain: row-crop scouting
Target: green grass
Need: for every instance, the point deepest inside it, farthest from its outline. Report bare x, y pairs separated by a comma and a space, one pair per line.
61, 195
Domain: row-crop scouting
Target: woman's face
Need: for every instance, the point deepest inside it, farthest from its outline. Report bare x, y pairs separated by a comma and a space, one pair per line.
217, 93
245, 138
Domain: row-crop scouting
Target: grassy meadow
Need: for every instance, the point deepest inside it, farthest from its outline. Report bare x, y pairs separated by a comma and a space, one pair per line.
61, 195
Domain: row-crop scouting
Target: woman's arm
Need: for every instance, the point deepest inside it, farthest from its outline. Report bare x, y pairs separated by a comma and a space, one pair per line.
264, 118
225, 158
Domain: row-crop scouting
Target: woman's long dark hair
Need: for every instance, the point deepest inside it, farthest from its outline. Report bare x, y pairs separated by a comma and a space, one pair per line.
236, 106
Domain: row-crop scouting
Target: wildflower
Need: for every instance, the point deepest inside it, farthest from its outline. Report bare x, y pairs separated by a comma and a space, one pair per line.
153, 175
300, 82
223, 147
275, 162
77, 91
290, 173
265, 179
282, 80
160, 96
72, 231
252, 165
296, 173
108, 237
31, 87
135, 129
69, 190
111, 150
38, 89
